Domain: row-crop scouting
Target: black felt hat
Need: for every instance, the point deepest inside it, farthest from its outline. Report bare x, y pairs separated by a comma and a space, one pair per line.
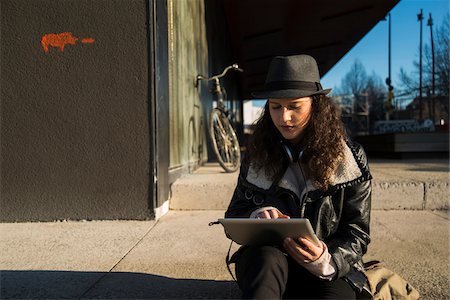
293, 76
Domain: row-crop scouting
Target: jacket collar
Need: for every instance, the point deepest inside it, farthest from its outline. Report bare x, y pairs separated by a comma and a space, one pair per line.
349, 171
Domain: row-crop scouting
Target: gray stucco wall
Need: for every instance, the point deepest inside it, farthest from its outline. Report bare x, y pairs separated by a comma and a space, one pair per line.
74, 123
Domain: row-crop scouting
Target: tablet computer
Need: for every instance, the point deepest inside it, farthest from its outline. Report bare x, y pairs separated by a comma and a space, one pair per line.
272, 232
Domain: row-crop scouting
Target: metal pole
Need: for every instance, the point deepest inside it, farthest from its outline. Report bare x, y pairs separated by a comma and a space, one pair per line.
420, 18
430, 23
389, 51
390, 104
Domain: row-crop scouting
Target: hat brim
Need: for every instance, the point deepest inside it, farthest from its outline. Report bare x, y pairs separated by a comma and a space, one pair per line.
287, 94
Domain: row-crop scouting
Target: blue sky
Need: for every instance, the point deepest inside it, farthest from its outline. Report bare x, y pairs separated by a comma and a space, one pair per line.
372, 50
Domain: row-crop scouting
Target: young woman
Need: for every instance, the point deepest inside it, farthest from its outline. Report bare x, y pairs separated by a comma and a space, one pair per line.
300, 164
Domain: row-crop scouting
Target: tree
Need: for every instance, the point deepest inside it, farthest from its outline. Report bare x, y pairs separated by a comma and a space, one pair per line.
442, 58
355, 81
369, 94
376, 93
410, 82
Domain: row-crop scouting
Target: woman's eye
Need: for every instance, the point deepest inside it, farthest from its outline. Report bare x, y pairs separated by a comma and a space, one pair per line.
290, 107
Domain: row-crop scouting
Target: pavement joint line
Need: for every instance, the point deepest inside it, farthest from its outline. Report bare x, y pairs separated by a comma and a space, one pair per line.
435, 214
424, 203
118, 262
387, 229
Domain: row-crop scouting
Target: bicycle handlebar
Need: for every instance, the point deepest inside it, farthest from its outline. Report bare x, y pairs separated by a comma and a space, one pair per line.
234, 67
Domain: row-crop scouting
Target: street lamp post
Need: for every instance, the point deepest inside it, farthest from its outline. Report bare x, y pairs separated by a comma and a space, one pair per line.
390, 98
430, 23
389, 51
420, 18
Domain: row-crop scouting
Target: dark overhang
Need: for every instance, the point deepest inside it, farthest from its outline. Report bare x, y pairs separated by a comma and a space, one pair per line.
327, 30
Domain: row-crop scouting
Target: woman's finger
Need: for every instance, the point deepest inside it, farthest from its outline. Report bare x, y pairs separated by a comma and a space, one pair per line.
315, 250
274, 213
296, 248
296, 252
283, 216
309, 243
271, 214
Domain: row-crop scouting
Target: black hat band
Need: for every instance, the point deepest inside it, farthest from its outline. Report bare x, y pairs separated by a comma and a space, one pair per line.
293, 85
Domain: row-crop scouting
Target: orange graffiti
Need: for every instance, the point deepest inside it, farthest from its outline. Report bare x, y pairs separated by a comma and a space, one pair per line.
88, 41
60, 40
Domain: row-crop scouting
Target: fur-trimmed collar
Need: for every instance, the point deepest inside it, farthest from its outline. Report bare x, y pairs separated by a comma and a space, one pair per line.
293, 179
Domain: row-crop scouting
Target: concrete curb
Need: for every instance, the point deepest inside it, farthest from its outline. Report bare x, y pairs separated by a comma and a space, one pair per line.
408, 185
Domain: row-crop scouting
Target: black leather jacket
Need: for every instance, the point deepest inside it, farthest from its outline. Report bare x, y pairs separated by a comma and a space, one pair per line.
340, 215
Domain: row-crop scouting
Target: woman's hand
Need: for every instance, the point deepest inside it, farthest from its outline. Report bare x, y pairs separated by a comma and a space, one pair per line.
271, 214
303, 250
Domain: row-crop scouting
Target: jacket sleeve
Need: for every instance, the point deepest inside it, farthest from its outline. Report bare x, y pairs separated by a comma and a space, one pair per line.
350, 242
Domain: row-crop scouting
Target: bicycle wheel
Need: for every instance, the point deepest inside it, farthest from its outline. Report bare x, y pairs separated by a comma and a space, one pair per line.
224, 141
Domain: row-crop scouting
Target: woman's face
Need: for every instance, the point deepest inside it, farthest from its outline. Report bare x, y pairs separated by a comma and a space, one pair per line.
291, 116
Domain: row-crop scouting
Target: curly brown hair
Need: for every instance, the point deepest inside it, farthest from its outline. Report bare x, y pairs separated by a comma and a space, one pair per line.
322, 144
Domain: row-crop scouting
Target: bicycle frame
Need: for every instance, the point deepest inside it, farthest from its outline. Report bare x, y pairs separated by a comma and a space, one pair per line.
217, 87
223, 136
218, 91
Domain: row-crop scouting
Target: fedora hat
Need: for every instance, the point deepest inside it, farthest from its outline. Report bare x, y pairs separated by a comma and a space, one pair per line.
293, 76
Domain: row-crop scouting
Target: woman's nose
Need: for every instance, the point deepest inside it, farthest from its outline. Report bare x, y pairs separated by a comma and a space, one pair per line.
285, 114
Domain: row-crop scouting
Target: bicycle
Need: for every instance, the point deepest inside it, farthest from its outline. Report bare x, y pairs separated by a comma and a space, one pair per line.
223, 136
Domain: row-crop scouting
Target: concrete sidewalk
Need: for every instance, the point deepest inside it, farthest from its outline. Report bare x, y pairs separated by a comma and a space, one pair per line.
180, 256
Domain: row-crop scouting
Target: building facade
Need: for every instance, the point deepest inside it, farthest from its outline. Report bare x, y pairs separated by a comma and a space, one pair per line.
99, 110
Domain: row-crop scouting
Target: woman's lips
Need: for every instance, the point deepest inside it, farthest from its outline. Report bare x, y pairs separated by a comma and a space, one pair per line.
287, 127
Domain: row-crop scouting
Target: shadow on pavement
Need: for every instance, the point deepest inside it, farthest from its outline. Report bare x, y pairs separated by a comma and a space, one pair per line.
116, 285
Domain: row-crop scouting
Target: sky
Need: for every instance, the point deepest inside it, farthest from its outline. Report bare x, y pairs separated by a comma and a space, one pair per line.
372, 50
